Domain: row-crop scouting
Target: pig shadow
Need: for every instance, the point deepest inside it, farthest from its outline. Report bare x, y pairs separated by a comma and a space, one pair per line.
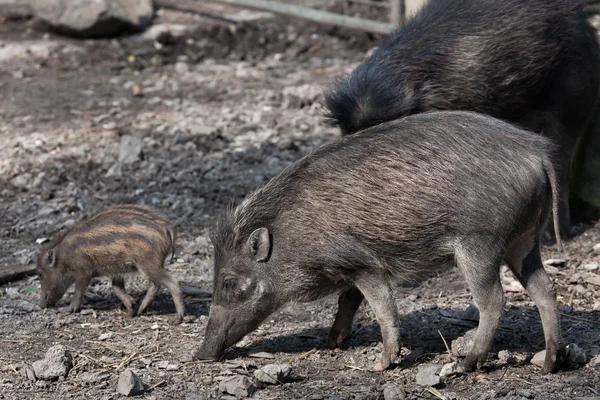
520, 332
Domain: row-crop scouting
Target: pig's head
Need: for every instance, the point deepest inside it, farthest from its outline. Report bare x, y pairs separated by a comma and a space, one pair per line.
53, 282
243, 290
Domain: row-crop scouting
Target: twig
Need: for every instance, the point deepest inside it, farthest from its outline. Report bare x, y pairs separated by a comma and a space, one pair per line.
157, 385
354, 367
436, 393
445, 343
514, 378
304, 355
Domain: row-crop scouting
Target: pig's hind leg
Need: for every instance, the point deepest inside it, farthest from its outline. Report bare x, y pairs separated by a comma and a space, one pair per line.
118, 285
348, 304
481, 268
529, 270
377, 291
161, 277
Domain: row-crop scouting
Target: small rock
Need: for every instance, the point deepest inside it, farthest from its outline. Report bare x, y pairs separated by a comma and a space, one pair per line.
429, 374
273, 373
555, 262
462, 345
130, 149
130, 384
391, 391
41, 240
593, 279
594, 362
592, 266
450, 369
539, 358
57, 363
596, 248
114, 171
238, 385
186, 358
181, 67
104, 336
504, 356
575, 354
162, 364
146, 361
86, 311
172, 367
94, 376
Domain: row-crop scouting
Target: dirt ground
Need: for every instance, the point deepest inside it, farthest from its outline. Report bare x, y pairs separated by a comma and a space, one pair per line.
222, 108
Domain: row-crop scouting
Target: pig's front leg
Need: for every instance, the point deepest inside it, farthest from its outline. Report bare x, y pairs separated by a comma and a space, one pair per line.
378, 293
81, 285
348, 304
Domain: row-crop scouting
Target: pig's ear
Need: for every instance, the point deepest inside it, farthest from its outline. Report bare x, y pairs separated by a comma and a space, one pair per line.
51, 258
259, 244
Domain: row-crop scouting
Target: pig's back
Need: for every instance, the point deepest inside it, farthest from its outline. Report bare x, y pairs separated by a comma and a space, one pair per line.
119, 236
421, 178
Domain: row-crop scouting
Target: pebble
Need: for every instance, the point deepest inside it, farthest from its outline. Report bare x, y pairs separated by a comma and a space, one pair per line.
238, 385
104, 336
575, 354
188, 357
94, 376
592, 266
162, 364
86, 311
130, 149
181, 67
462, 345
130, 384
56, 363
172, 367
450, 369
596, 248
273, 373
539, 358
429, 374
391, 391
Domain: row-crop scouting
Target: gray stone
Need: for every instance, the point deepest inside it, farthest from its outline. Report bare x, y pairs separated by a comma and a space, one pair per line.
273, 373
94, 18
538, 358
94, 376
30, 373
462, 345
130, 149
114, 171
56, 363
130, 384
391, 391
429, 374
238, 385
575, 354
450, 369
592, 266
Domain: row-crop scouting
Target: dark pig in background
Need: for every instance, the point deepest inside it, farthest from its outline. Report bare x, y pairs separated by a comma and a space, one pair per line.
391, 202
535, 63
115, 242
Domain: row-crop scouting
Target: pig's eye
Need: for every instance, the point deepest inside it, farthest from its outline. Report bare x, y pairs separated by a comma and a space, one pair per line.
229, 283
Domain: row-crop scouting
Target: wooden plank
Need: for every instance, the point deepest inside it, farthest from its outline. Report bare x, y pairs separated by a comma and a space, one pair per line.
313, 15
9, 273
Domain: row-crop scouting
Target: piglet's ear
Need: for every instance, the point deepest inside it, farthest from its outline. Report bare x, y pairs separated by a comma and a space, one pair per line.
51, 258
259, 244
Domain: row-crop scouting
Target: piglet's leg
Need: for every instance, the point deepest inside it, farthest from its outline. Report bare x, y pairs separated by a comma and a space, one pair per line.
378, 293
81, 285
348, 304
118, 285
150, 295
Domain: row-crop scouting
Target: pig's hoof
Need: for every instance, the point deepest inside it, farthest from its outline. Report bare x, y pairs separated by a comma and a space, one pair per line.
336, 339
73, 309
379, 367
130, 313
176, 320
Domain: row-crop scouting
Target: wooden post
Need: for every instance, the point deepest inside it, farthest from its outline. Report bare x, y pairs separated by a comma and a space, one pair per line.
314, 15
396, 12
